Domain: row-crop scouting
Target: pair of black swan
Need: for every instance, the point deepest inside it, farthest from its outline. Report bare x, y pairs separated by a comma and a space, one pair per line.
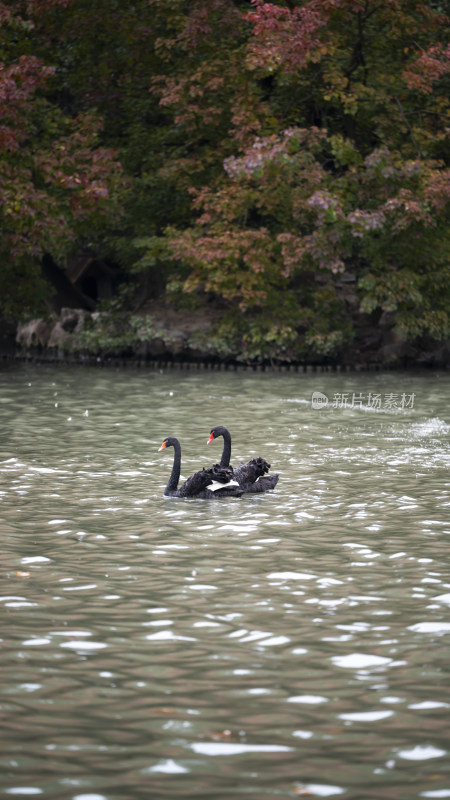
221, 480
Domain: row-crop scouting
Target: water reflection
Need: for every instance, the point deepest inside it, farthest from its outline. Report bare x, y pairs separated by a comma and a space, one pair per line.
280, 645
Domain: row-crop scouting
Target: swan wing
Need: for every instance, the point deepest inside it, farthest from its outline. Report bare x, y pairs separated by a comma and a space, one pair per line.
197, 483
262, 484
251, 471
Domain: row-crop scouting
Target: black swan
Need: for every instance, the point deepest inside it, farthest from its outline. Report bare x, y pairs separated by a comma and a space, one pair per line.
205, 484
251, 477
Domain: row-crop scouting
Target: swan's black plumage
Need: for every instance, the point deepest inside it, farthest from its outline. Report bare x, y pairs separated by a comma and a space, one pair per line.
251, 476
197, 484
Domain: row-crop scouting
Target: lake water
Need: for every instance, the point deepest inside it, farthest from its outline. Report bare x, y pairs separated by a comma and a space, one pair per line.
275, 646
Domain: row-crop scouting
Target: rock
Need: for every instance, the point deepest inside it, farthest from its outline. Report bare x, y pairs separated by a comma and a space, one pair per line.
35, 333
176, 341
387, 319
59, 337
73, 319
397, 351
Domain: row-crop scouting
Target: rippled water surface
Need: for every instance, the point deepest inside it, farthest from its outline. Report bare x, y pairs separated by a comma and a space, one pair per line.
274, 646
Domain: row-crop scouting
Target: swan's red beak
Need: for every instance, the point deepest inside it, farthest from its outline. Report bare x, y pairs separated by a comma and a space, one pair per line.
211, 439
163, 447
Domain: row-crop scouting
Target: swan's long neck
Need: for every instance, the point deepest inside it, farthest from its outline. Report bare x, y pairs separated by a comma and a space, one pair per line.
176, 469
226, 452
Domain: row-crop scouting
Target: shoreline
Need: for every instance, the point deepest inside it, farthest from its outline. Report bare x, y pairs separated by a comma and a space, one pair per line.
180, 340
211, 365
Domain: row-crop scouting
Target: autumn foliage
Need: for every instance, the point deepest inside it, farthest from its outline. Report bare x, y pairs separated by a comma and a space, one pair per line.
56, 181
287, 162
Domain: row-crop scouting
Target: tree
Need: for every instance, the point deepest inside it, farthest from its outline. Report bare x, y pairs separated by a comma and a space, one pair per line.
58, 186
353, 180
285, 161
